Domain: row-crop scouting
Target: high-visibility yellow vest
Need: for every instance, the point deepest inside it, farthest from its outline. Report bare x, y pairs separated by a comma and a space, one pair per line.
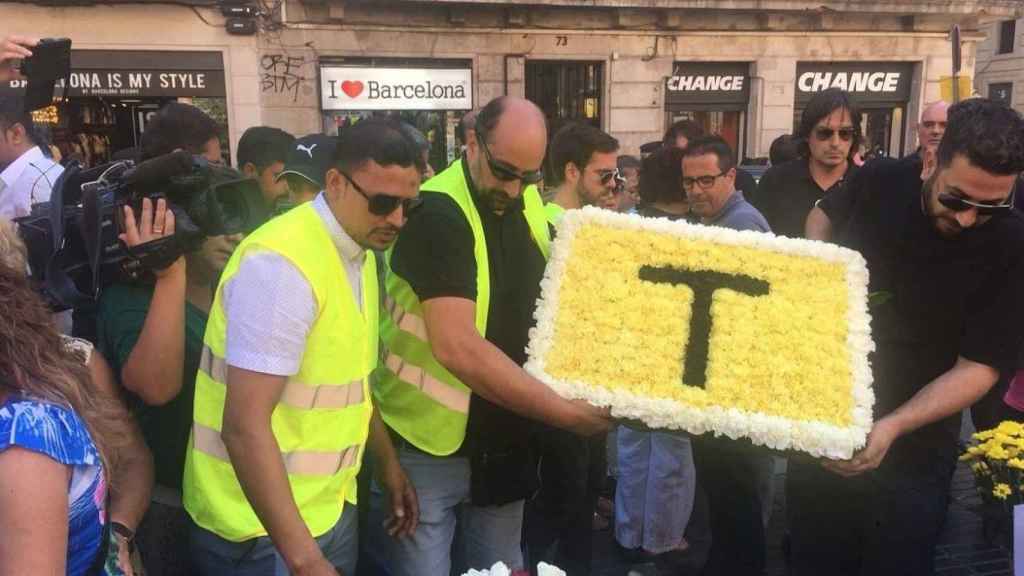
417, 396
322, 419
554, 213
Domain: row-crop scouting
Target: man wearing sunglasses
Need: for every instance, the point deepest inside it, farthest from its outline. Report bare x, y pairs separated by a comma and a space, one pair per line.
282, 412
583, 170
944, 258
464, 279
828, 137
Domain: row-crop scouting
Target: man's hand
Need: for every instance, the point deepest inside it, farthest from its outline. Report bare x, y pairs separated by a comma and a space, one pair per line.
13, 49
588, 420
405, 508
152, 226
882, 435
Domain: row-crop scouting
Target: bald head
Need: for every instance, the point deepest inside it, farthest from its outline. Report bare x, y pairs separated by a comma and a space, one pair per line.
932, 125
514, 131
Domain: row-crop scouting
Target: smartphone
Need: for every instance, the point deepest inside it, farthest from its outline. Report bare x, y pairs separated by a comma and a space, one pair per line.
50, 61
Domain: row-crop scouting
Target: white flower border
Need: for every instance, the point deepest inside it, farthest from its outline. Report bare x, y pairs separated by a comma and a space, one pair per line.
817, 438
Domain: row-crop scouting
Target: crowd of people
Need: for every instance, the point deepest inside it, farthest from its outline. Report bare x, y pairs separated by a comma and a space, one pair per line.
341, 391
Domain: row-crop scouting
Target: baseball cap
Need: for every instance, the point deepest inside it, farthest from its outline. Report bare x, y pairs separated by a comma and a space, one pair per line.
310, 158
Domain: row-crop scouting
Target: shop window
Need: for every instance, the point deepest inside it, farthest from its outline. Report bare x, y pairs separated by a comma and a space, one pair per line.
725, 123
1007, 32
1001, 92
566, 91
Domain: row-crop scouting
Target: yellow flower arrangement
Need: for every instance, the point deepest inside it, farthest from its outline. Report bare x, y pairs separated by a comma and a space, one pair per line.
997, 460
699, 328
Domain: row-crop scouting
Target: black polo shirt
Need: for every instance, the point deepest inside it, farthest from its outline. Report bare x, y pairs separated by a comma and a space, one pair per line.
434, 254
948, 297
786, 194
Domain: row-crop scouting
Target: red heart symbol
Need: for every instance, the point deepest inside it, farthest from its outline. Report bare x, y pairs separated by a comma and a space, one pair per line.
352, 88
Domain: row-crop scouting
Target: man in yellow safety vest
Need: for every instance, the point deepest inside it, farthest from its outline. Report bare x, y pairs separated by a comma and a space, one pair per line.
282, 409
463, 282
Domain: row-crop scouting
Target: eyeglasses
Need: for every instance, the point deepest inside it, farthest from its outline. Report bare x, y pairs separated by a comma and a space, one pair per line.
503, 170
823, 134
383, 204
958, 204
704, 182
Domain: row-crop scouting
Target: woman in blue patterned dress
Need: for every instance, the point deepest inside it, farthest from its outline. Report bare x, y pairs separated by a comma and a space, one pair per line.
64, 437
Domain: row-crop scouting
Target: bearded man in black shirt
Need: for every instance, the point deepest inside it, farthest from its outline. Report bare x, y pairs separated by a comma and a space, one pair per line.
945, 257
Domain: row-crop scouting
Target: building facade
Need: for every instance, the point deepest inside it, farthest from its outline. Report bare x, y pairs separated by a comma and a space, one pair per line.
744, 68
1000, 66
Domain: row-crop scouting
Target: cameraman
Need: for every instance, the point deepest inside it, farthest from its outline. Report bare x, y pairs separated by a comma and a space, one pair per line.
153, 336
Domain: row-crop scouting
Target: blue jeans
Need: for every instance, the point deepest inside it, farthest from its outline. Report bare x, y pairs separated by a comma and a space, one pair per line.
453, 535
655, 489
215, 556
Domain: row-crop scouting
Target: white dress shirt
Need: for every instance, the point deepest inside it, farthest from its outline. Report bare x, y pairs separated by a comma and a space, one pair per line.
270, 306
27, 181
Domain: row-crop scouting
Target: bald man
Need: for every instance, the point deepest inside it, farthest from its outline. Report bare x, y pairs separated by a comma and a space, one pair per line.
462, 284
932, 126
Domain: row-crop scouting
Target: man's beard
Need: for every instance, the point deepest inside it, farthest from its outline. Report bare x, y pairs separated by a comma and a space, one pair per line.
952, 228
496, 199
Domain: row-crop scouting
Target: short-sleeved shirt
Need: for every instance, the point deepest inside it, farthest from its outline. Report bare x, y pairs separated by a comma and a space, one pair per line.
787, 192
122, 314
26, 181
270, 305
434, 254
59, 433
947, 297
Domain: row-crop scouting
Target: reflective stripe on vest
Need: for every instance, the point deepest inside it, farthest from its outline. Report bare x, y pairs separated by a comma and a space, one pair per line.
297, 462
404, 319
295, 394
417, 396
451, 398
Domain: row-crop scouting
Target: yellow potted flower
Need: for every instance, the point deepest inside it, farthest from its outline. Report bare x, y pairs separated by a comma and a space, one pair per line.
997, 460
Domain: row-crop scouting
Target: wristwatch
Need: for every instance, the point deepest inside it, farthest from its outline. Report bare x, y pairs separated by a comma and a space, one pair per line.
126, 533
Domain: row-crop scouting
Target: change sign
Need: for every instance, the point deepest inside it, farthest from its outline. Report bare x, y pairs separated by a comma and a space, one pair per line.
708, 329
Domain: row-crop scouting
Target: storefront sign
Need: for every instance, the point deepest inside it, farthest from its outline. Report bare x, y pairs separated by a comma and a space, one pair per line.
867, 81
708, 83
364, 88
139, 74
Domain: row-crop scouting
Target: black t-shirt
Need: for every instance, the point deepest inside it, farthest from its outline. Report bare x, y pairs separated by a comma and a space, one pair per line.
787, 193
434, 254
745, 183
948, 297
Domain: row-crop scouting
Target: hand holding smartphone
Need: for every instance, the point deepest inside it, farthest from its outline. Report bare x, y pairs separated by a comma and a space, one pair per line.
13, 49
50, 61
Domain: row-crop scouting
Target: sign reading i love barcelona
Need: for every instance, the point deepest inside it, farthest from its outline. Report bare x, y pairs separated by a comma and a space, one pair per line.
365, 88
705, 329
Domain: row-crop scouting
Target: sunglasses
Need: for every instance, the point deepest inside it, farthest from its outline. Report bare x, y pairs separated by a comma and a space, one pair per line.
607, 176
845, 134
704, 182
504, 171
958, 204
382, 204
